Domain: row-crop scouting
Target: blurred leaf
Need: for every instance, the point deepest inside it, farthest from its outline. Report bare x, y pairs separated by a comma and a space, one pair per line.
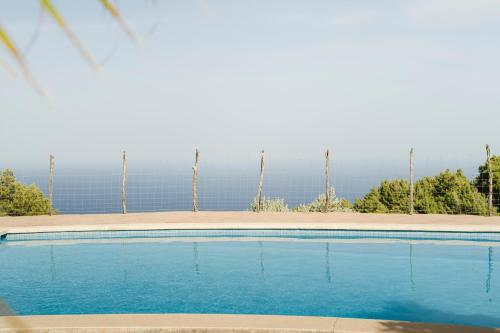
47, 5
121, 21
9, 69
9, 44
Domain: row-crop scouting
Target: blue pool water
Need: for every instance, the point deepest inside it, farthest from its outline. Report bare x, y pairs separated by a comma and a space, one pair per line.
317, 274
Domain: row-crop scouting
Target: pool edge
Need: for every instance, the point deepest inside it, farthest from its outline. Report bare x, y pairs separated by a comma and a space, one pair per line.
220, 323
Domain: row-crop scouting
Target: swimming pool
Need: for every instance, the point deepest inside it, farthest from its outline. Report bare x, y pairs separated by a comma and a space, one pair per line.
415, 276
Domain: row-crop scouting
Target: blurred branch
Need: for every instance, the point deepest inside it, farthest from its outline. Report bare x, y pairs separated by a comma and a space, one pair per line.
121, 21
36, 33
12, 49
9, 69
47, 5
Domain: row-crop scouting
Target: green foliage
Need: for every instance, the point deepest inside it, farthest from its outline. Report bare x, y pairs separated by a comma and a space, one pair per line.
270, 205
319, 204
447, 193
451, 193
481, 181
17, 199
392, 196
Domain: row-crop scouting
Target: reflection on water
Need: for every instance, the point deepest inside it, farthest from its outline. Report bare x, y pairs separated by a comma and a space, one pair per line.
52, 264
490, 270
261, 257
125, 261
411, 268
328, 270
195, 256
327, 263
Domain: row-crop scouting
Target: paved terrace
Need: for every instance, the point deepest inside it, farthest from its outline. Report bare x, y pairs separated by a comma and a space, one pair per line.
248, 220
233, 220
187, 323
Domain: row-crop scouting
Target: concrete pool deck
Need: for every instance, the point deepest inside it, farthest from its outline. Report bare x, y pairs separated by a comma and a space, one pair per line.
234, 220
198, 323
248, 220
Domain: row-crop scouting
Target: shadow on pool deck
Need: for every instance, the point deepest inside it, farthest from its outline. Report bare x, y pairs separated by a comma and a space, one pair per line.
7, 312
408, 327
412, 311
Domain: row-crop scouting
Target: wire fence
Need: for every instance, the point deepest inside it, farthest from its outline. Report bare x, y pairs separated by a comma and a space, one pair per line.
133, 189
155, 191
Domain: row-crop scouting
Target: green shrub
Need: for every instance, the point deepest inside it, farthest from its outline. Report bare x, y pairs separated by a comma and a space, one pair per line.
318, 205
447, 193
270, 205
392, 196
17, 199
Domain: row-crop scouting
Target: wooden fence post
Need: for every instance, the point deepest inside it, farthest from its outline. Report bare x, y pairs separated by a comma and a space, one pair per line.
412, 186
327, 180
261, 180
195, 181
51, 183
124, 183
490, 181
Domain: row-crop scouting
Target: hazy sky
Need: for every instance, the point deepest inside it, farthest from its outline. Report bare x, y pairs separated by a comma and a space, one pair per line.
367, 79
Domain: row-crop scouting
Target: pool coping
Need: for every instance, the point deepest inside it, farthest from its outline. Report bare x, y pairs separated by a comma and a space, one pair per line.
198, 323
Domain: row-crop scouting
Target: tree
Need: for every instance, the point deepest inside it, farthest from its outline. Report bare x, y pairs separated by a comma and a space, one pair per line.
481, 181
447, 193
17, 199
